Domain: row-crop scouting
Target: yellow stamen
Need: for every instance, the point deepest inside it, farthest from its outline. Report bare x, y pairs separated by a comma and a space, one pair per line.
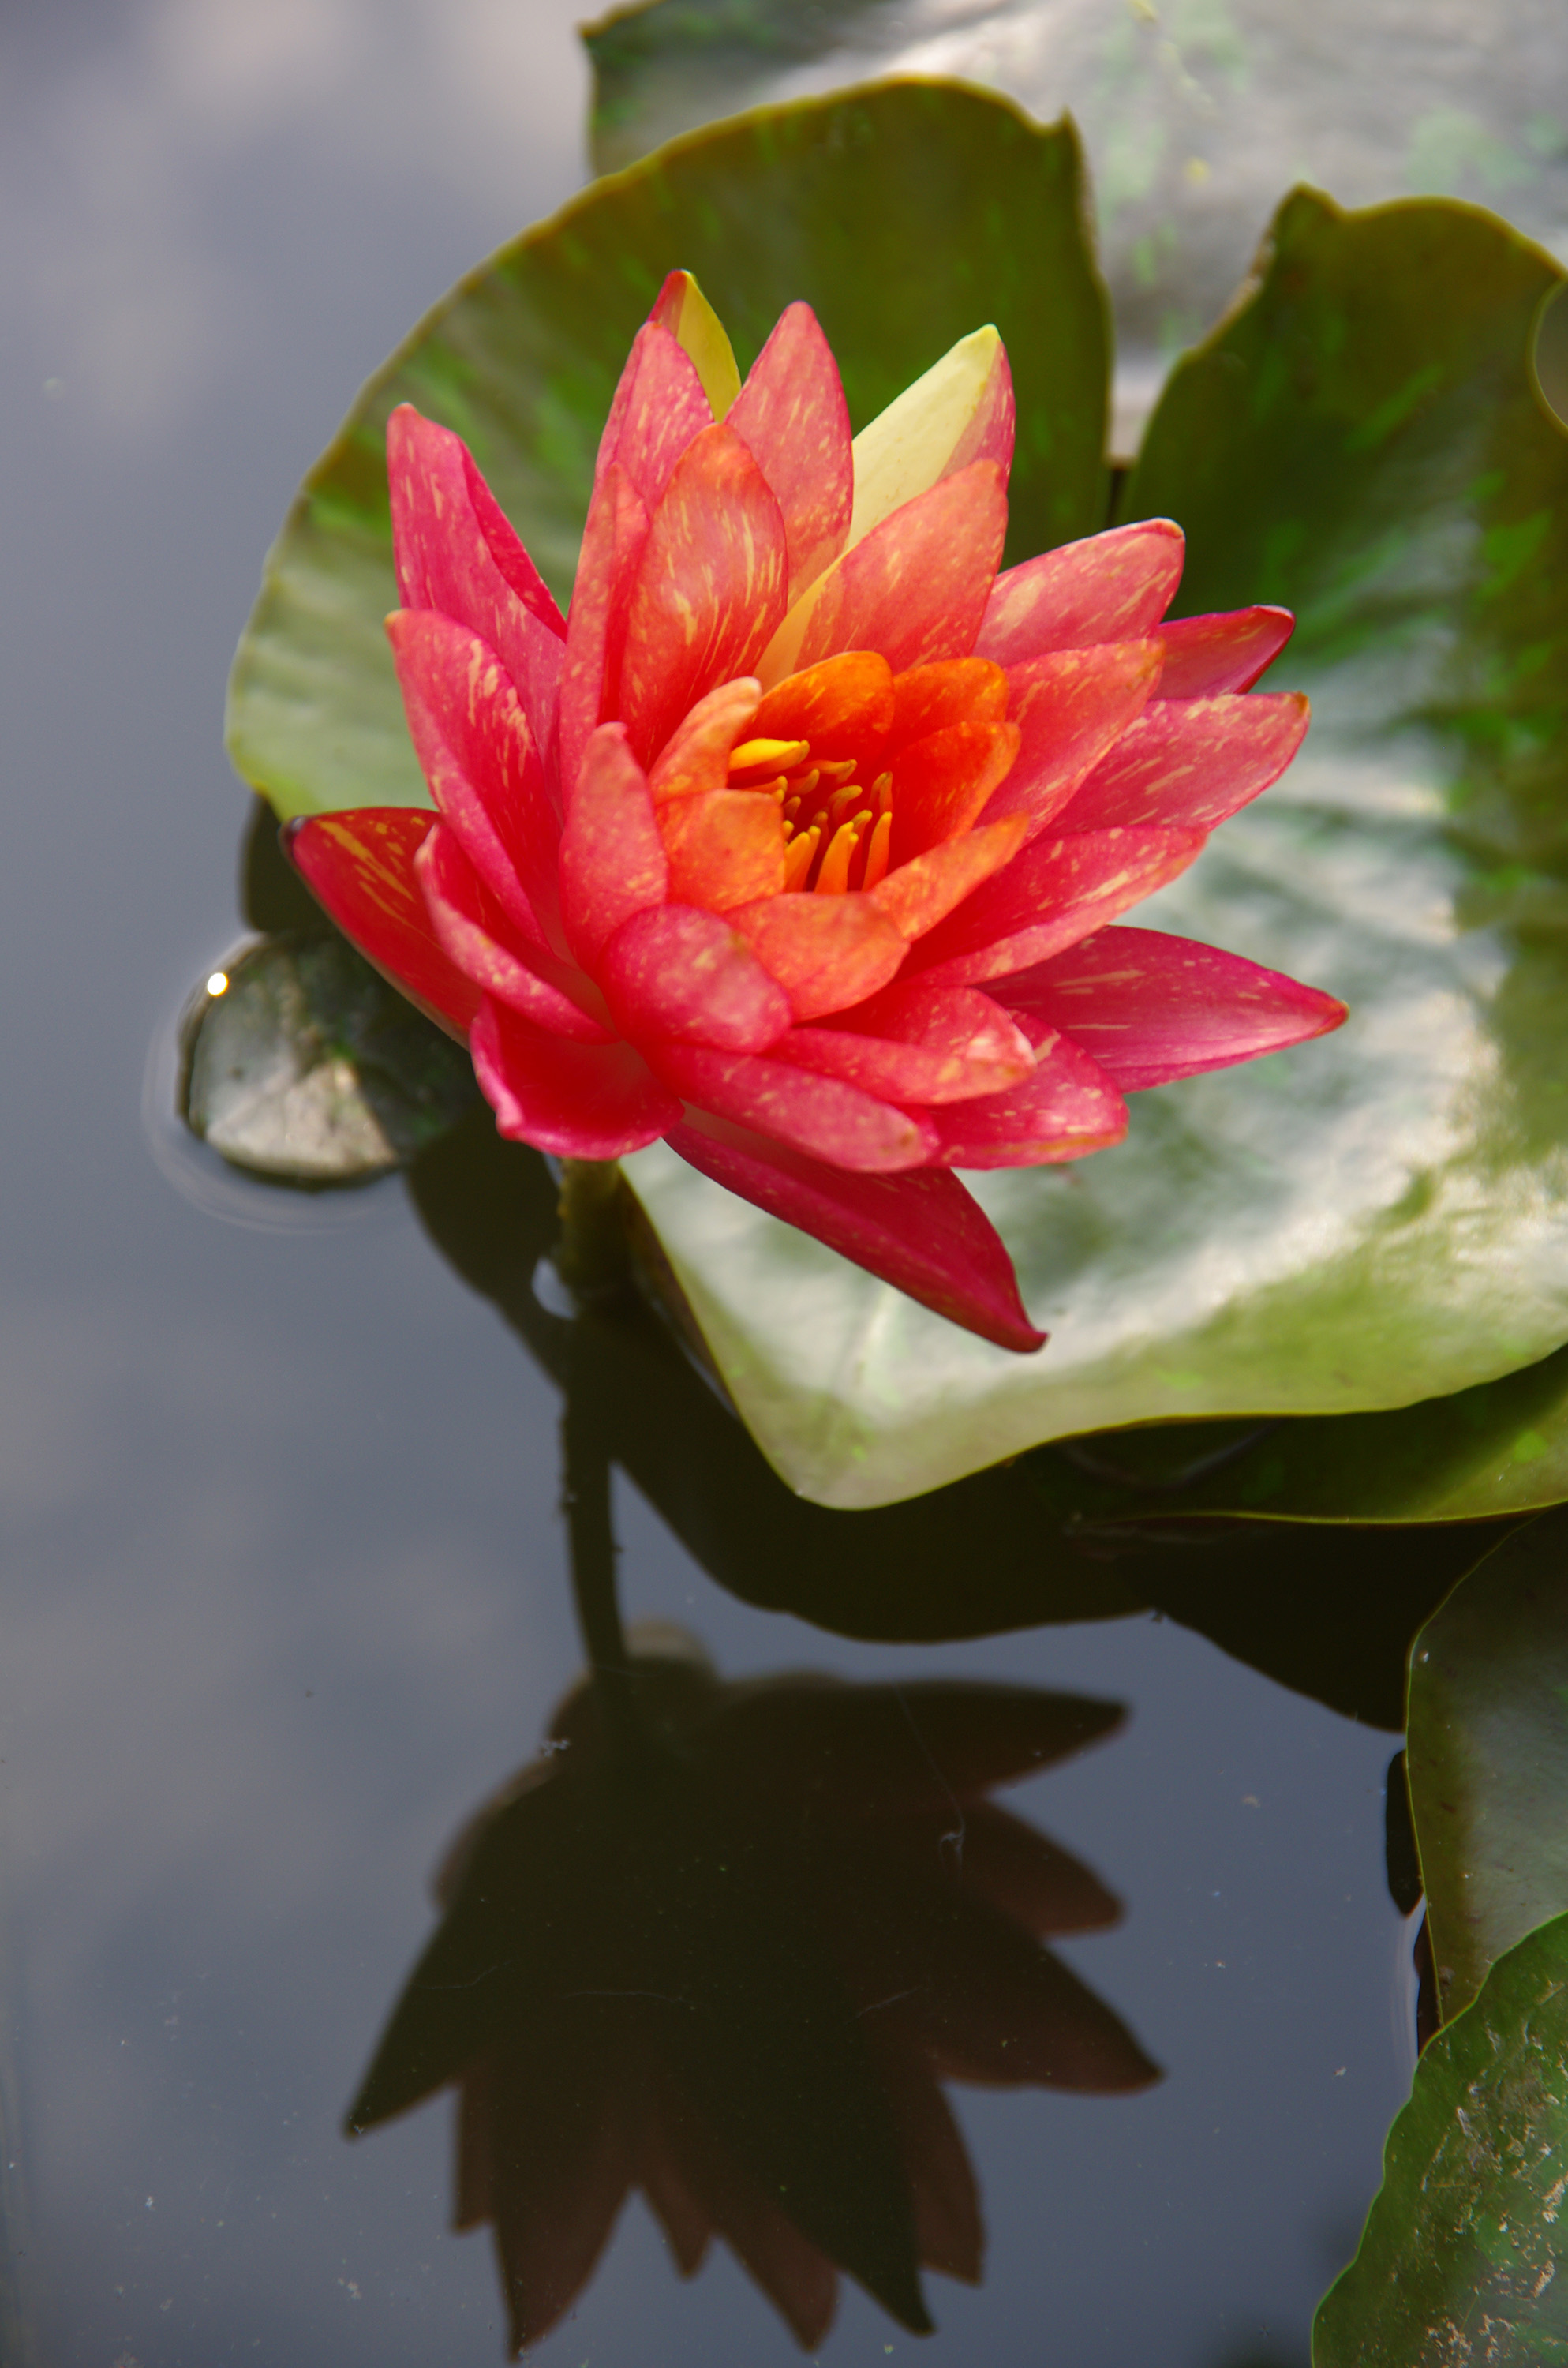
777, 754
834, 877
877, 851
798, 855
837, 772
881, 789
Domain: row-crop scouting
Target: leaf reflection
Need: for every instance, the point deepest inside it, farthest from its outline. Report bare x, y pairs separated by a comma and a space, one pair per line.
733, 1969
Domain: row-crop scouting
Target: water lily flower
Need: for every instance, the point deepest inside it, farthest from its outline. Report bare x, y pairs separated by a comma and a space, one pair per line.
736, 1974
797, 841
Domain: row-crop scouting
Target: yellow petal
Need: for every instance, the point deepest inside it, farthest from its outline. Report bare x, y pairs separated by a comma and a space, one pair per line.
907, 447
697, 330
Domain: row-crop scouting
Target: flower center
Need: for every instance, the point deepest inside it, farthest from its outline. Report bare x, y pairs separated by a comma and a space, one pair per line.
838, 828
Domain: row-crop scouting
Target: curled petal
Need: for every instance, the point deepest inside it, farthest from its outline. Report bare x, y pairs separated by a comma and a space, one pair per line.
1071, 708
695, 756
580, 1101
819, 1115
1066, 1107
793, 414
725, 848
476, 751
1149, 1006
1109, 588
825, 952
843, 705
920, 1231
360, 868
915, 589
612, 859
709, 587
674, 971
923, 891
1054, 892
918, 1045
455, 552
657, 408
1208, 654
1189, 764
613, 542
472, 924
960, 411
945, 782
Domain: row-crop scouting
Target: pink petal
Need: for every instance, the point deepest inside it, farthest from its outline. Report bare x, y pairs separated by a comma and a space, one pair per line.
580, 1101
709, 590
918, 1043
472, 927
725, 848
695, 756
1190, 763
360, 868
454, 552
476, 751
612, 859
825, 952
674, 971
1071, 708
915, 589
1205, 654
613, 542
793, 414
1056, 892
920, 1231
656, 410
921, 893
1151, 1007
1109, 588
992, 431
1067, 1107
822, 1116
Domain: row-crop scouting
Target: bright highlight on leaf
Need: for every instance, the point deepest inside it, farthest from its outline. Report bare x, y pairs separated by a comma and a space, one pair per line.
753, 853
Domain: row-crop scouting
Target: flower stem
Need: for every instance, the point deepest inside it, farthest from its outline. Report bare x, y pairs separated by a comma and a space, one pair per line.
586, 1501
590, 1257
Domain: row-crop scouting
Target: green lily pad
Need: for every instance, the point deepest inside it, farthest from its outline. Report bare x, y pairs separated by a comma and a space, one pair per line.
1363, 1222
1488, 1756
304, 1067
1463, 2254
907, 216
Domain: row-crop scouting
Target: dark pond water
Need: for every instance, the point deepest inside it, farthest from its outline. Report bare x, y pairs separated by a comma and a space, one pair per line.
285, 1582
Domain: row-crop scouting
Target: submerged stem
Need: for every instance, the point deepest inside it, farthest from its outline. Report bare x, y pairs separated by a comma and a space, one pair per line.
585, 1500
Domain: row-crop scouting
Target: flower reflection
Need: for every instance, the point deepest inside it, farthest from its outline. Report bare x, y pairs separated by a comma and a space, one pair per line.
731, 1963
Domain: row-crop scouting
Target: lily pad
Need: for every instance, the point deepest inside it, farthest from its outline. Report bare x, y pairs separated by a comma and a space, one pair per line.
1462, 2256
1488, 1756
906, 216
1363, 1222
305, 1067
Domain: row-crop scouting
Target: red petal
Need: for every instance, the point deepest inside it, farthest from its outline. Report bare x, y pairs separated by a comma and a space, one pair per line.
697, 755
581, 1101
915, 589
1067, 1107
825, 952
992, 432
1109, 588
612, 859
1207, 654
673, 971
657, 408
920, 1231
920, 893
1151, 1007
844, 706
472, 928
456, 553
793, 414
360, 867
725, 848
833, 1121
473, 744
944, 782
954, 690
613, 542
709, 587
1190, 763
1056, 892
918, 1043
1072, 707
